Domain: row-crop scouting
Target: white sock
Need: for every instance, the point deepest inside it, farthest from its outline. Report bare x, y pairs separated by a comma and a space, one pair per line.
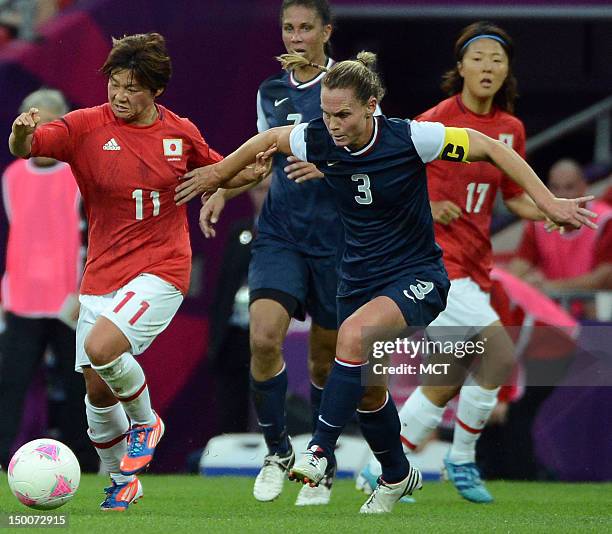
106, 430
419, 417
475, 407
127, 381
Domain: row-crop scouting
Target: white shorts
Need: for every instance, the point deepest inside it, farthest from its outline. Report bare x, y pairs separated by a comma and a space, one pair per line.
468, 311
141, 309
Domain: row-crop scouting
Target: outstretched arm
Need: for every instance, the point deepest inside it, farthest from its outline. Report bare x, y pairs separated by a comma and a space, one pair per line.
522, 206
220, 174
561, 211
252, 174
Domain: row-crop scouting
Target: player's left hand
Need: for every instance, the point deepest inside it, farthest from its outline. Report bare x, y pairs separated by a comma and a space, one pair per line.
299, 171
569, 212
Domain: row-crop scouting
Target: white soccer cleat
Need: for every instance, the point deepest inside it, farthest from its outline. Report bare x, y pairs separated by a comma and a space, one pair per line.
310, 468
269, 482
317, 495
385, 495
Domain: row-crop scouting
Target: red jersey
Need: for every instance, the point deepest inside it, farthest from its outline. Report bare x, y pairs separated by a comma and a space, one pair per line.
466, 242
127, 176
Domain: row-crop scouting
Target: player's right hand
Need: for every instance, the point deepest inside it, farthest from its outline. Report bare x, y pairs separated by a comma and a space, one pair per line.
210, 212
444, 211
26, 123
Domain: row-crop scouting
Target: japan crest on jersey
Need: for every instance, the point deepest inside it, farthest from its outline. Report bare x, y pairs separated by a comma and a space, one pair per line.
507, 138
173, 147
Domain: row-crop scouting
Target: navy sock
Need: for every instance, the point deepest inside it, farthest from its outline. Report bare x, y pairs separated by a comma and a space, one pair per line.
315, 404
269, 400
381, 429
341, 396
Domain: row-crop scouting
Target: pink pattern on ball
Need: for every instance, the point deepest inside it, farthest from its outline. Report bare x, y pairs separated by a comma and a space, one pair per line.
62, 487
12, 464
24, 499
49, 450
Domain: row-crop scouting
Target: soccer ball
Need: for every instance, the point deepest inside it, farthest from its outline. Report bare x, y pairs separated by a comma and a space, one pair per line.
44, 474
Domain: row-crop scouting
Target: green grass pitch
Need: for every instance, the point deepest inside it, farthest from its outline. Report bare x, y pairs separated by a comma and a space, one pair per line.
185, 504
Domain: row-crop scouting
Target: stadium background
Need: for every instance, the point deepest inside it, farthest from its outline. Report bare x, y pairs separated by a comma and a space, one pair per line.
221, 51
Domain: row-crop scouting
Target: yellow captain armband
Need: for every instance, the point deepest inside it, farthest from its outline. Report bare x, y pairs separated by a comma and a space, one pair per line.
456, 145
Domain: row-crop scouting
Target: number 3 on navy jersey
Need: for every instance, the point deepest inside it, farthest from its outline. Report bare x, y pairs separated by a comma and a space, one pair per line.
363, 188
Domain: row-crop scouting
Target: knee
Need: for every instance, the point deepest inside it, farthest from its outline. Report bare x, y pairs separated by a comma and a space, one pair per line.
351, 341
320, 360
319, 370
266, 343
373, 398
97, 351
440, 395
505, 365
497, 365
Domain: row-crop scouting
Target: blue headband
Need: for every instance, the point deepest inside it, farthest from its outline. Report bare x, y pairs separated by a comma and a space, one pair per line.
483, 36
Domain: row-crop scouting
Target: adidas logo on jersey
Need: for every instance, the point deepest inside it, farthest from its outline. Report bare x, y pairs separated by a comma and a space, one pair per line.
111, 144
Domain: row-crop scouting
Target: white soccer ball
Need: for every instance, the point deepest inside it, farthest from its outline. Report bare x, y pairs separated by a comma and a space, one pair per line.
44, 474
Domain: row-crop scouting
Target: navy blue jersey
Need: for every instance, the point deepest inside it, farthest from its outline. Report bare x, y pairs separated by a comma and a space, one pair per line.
303, 216
381, 193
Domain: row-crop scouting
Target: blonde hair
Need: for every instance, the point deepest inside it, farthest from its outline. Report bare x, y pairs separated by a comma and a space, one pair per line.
358, 74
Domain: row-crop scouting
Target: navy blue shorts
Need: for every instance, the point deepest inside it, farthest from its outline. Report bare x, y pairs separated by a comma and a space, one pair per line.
276, 271
420, 295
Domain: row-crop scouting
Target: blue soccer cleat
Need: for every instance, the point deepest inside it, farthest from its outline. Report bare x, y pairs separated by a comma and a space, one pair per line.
141, 443
466, 478
367, 481
120, 496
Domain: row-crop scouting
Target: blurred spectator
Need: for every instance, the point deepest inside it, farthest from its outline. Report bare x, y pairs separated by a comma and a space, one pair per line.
228, 351
581, 259
21, 18
39, 286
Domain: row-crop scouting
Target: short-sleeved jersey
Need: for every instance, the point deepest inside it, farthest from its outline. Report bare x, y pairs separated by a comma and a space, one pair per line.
303, 216
127, 176
381, 194
466, 242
